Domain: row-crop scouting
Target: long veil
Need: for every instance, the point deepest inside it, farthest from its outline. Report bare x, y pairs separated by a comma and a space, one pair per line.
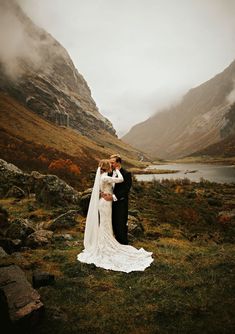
92, 220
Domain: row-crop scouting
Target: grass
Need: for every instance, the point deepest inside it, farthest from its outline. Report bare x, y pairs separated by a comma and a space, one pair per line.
189, 288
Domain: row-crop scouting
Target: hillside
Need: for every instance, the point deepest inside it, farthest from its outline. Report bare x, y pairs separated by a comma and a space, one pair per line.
195, 123
31, 142
224, 149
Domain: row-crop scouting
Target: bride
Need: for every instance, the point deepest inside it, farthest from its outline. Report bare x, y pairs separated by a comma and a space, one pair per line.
100, 246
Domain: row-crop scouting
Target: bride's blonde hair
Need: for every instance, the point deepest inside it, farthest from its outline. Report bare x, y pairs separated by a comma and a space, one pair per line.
105, 165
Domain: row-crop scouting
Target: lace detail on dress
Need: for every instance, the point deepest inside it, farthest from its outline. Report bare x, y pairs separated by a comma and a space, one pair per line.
109, 253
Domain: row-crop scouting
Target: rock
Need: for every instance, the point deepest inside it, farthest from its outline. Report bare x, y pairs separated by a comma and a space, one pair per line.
226, 217
85, 200
65, 220
42, 279
19, 229
134, 212
20, 304
3, 217
57, 313
52, 191
135, 227
10, 245
61, 237
2, 253
16, 192
11, 176
39, 238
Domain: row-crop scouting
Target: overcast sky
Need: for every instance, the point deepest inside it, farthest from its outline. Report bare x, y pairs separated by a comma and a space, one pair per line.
139, 56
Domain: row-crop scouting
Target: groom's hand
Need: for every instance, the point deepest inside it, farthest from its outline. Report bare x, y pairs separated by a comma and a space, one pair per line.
107, 197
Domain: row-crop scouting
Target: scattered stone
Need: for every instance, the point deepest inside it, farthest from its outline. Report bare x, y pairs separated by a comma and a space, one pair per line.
39, 238
19, 229
42, 279
65, 220
16, 192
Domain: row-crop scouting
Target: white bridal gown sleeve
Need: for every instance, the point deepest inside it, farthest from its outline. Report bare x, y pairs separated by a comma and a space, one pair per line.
101, 248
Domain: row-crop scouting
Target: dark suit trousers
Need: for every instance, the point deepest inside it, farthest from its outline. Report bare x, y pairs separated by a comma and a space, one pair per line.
119, 220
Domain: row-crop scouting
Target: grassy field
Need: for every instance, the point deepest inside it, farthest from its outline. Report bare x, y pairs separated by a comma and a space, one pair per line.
189, 288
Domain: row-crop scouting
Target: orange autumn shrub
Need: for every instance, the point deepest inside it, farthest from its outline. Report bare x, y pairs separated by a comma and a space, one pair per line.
64, 166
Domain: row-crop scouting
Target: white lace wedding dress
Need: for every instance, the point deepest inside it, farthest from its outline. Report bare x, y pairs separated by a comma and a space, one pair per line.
101, 247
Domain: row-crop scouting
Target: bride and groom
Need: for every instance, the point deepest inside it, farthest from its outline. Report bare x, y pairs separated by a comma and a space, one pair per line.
106, 232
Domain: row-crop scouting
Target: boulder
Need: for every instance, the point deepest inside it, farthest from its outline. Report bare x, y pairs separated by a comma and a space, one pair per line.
39, 238
19, 229
65, 220
20, 304
11, 176
16, 192
135, 227
51, 191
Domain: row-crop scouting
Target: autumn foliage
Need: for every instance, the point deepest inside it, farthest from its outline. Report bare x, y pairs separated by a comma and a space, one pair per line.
64, 166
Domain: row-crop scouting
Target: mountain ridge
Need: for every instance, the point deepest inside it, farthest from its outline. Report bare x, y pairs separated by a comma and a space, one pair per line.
189, 126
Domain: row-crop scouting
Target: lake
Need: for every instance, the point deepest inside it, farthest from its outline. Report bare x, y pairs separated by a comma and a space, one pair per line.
193, 172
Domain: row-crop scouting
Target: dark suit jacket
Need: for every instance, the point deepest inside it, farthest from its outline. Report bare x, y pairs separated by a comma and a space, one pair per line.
121, 190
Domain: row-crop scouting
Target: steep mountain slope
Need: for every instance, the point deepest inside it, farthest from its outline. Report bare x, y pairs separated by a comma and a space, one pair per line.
225, 149
36, 70
33, 143
192, 125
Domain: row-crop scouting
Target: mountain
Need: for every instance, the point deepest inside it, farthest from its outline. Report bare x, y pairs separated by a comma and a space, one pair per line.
48, 118
38, 71
198, 121
225, 148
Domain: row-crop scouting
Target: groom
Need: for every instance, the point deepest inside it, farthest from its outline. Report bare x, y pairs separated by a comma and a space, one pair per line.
120, 201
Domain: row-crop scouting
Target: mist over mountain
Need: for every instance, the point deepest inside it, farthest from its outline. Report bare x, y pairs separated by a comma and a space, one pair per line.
38, 71
199, 120
47, 114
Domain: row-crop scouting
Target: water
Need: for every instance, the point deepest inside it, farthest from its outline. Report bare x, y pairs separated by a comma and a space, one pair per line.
210, 172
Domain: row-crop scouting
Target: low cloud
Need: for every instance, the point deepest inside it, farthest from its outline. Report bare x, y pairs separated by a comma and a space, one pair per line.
19, 47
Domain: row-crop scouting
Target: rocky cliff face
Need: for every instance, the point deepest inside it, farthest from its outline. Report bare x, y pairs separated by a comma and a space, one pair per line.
37, 71
229, 126
199, 120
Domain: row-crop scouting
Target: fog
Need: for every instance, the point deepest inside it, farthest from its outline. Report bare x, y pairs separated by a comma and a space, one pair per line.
139, 56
